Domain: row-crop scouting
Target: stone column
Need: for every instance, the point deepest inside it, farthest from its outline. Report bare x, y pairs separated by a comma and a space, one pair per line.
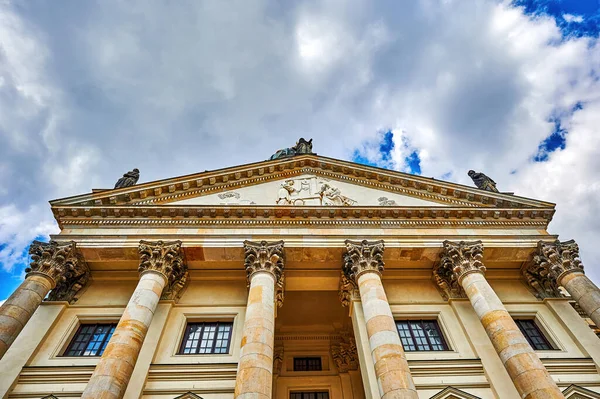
461, 267
264, 263
557, 264
161, 264
54, 266
363, 264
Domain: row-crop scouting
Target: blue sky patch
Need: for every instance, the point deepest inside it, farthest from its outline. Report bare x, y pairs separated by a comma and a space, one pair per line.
575, 18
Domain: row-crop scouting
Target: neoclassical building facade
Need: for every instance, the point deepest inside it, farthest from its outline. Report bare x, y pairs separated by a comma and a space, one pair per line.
301, 277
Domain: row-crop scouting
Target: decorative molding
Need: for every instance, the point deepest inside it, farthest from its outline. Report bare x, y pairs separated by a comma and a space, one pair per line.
362, 256
551, 262
343, 352
291, 216
63, 264
576, 392
50, 397
453, 393
457, 260
175, 288
447, 282
277, 359
165, 257
348, 290
264, 256
227, 179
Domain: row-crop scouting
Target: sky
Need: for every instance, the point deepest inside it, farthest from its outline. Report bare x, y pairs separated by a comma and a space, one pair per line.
92, 89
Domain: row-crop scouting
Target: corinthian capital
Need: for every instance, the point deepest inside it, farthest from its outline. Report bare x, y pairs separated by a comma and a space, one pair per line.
264, 257
62, 264
165, 258
458, 260
551, 261
363, 256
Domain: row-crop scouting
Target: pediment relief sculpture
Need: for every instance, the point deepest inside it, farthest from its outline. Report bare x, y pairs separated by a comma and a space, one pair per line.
311, 191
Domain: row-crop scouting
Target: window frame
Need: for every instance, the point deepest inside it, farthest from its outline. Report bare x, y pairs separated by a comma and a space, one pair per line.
101, 347
308, 360
186, 331
547, 342
444, 343
303, 393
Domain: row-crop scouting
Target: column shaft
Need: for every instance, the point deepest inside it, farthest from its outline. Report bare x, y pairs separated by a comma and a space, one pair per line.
255, 368
19, 307
529, 375
391, 367
585, 292
112, 374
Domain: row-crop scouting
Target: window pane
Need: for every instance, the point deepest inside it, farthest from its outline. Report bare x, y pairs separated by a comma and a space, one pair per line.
307, 364
206, 338
90, 340
405, 336
533, 334
420, 335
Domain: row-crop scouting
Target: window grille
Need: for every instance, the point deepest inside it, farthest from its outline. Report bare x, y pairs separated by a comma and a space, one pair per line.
309, 395
206, 338
421, 335
533, 334
307, 364
90, 340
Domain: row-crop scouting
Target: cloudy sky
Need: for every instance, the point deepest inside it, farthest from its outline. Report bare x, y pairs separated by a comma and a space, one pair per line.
91, 89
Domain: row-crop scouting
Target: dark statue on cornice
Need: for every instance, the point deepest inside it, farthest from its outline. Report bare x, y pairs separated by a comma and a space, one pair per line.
128, 179
482, 181
302, 147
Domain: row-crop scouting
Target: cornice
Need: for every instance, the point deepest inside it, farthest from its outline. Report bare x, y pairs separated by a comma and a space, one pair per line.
252, 216
175, 189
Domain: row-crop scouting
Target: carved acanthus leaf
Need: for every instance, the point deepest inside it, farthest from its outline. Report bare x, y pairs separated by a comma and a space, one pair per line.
277, 359
362, 256
63, 264
348, 290
447, 282
551, 261
163, 257
460, 259
264, 256
174, 288
344, 354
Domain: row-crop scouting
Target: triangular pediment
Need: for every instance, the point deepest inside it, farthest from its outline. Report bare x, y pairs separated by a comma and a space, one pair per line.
405, 189
453, 393
577, 392
307, 189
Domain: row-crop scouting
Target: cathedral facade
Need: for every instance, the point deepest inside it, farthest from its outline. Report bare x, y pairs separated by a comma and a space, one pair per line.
301, 277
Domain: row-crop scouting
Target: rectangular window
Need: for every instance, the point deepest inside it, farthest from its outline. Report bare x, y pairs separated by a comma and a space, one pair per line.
309, 395
206, 338
307, 364
533, 334
421, 335
90, 339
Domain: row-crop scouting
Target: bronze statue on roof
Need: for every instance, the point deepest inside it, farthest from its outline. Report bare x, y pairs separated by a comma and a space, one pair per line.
482, 181
128, 179
302, 147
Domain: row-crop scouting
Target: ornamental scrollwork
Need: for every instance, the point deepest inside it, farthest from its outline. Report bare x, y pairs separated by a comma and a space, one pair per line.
362, 256
344, 353
63, 264
264, 256
459, 258
163, 257
551, 261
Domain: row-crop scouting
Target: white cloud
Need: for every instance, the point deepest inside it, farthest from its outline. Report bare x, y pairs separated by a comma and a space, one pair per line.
573, 18
180, 87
